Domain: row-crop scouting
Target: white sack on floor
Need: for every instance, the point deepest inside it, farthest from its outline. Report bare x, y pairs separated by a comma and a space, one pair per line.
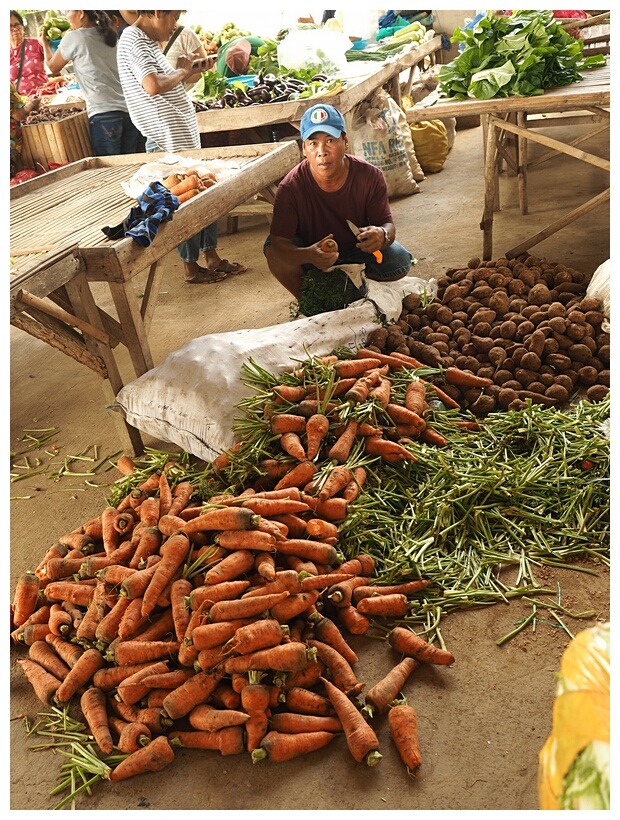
189, 399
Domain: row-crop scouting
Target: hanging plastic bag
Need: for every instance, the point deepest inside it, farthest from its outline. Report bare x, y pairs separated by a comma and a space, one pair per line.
317, 49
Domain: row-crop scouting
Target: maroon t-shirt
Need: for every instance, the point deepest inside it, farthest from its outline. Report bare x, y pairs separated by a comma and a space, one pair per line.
302, 208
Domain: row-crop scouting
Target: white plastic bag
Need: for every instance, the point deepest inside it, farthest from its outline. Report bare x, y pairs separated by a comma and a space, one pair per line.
189, 399
315, 48
599, 286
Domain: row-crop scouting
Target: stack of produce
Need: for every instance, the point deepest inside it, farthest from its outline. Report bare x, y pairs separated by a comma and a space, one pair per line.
213, 91
51, 114
524, 327
55, 25
186, 186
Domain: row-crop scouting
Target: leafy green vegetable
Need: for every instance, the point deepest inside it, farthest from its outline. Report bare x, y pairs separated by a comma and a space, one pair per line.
210, 86
520, 55
587, 783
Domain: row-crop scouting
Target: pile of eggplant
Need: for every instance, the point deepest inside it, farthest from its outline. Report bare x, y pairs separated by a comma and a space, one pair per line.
269, 88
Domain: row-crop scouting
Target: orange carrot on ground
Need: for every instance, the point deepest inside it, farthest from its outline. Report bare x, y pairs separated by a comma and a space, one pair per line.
337, 479
362, 387
222, 518
94, 708
287, 423
353, 621
149, 510
244, 607
319, 528
132, 620
274, 469
284, 580
383, 606
153, 717
381, 392
409, 361
132, 689
294, 723
179, 591
255, 702
250, 638
297, 476
125, 465
403, 727
75, 540
246, 540
107, 628
78, 592
286, 657
311, 582
110, 535
346, 368
340, 670
128, 653
210, 658
408, 643
291, 393
340, 594
462, 378
80, 675
114, 574
384, 692
210, 635
230, 568
109, 677
388, 450
69, 652
208, 718
167, 680
295, 605
395, 364
97, 608
430, 436
57, 550
210, 594
291, 443
25, 597
33, 632
316, 551
415, 397
158, 627
227, 741
333, 509
361, 738
326, 631
148, 544
42, 653
180, 497
341, 449
131, 736
45, 685
306, 702
401, 415
302, 568
406, 588
265, 565
39, 616
165, 494
174, 550
278, 746
150, 758
189, 183
317, 427
195, 690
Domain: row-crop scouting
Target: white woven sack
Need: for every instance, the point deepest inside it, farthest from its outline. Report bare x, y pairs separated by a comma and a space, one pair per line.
189, 399
600, 286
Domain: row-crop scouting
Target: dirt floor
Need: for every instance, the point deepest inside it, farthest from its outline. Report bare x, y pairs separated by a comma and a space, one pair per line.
482, 721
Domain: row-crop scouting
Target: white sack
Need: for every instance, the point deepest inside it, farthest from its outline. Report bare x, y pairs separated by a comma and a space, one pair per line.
599, 286
189, 399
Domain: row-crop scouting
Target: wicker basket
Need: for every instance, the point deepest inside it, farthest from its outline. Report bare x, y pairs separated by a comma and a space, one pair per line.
58, 142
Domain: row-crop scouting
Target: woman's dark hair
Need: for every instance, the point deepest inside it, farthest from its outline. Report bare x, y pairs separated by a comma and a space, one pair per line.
18, 17
104, 26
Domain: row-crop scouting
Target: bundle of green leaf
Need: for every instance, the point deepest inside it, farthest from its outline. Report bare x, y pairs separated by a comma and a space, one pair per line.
522, 55
324, 291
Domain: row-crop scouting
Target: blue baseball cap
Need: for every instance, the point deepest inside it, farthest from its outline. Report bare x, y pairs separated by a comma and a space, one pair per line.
322, 118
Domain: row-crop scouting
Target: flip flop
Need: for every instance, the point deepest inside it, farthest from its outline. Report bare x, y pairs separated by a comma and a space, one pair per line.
232, 268
207, 277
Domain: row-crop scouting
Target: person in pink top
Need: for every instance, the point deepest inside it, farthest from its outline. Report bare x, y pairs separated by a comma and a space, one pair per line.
27, 58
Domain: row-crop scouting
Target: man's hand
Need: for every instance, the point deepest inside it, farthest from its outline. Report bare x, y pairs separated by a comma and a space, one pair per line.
322, 259
370, 239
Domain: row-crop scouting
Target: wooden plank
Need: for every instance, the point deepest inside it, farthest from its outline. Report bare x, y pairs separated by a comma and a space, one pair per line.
51, 272
62, 315
130, 317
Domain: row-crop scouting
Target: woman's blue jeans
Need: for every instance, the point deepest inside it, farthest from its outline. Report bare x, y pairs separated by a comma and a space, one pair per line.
113, 132
206, 240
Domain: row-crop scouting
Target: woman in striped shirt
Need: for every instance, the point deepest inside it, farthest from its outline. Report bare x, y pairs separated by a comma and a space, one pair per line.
163, 112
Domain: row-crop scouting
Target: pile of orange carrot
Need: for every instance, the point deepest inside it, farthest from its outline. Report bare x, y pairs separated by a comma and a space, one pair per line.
185, 186
176, 622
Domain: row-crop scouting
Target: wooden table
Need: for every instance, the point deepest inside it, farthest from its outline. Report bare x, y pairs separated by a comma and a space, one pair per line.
585, 101
59, 250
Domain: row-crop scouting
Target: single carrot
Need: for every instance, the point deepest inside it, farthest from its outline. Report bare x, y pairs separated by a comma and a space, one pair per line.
317, 428
132, 689
401, 415
209, 594
42, 653
295, 605
321, 582
245, 607
408, 643
250, 638
463, 378
149, 510
79, 541
403, 728
165, 494
180, 497
410, 361
384, 692
381, 392
132, 736
394, 363
109, 677
383, 606
227, 741
306, 702
208, 718
333, 509
69, 652
230, 568
25, 597
107, 628
278, 746
110, 535
148, 544
284, 580
167, 680
431, 436
45, 685
388, 450
265, 565
132, 620
316, 551
94, 709
179, 591
319, 528
341, 594
291, 393
291, 443
125, 465
337, 479
415, 397
341, 449
340, 670
246, 540
287, 423
34, 632
272, 468
57, 550
57, 569
129, 653
326, 631
298, 476
222, 518
150, 758
294, 723
361, 739
406, 588
353, 621
195, 690
97, 608
210, 658
346, 368
255, 702
78, 592
173, 551
286, 657
80, 675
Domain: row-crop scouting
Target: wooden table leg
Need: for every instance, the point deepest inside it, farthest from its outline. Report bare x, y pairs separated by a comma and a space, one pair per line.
522, 161
130, 317
151, 293
84, 306
490, 180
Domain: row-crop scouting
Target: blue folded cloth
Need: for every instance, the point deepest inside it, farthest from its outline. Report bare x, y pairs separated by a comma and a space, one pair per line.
155, 205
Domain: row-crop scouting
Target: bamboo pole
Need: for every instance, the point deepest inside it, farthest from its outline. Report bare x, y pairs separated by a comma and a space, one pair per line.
62, 315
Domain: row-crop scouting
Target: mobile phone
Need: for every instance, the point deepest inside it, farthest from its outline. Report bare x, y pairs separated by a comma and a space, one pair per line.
200, 64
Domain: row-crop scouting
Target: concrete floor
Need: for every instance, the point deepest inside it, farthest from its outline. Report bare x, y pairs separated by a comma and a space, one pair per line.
483, 721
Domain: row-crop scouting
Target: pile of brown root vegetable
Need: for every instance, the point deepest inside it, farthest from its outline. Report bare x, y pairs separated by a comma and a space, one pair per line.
526, 324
